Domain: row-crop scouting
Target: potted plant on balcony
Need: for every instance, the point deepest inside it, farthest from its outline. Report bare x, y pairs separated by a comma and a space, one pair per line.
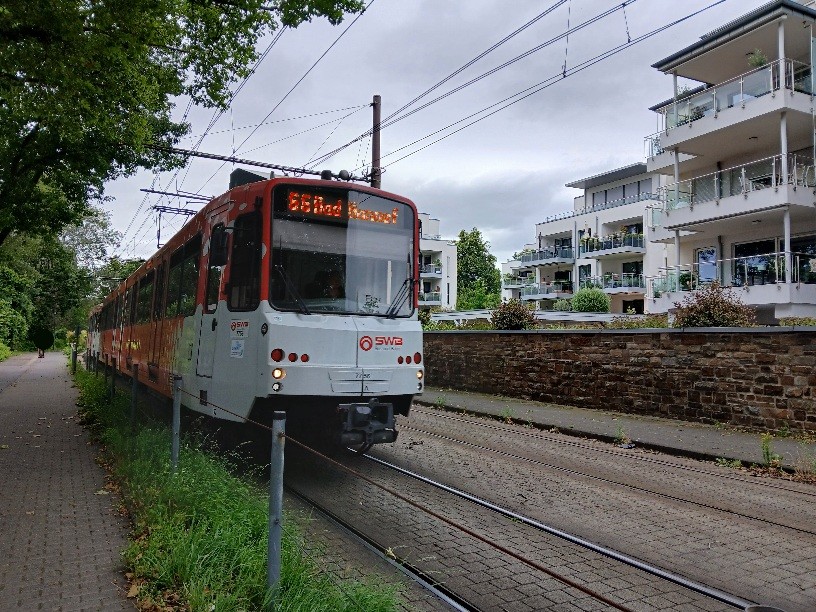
757, 59
688, 281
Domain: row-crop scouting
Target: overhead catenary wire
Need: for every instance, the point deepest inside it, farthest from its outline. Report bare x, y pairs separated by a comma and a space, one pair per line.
534, 89
298, 82
393, 118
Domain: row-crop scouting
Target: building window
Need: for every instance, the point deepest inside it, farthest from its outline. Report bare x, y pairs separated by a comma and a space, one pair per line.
706, 264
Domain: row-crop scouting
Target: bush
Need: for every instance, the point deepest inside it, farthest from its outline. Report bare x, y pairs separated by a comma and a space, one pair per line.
798, 321
590, 299
645, 322
512, 315
5, 352
713, 306
562, 305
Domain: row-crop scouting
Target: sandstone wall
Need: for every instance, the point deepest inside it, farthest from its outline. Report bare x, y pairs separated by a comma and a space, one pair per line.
763, 379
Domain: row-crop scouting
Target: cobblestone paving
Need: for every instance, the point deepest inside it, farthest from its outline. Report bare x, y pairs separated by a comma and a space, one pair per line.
752, 558
60, 539
345, 557
474, 569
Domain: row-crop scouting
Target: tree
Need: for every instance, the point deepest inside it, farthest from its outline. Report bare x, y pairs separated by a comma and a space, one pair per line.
86, 90
478, 279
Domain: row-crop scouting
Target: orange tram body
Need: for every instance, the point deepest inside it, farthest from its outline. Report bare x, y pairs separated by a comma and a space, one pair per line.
281, 294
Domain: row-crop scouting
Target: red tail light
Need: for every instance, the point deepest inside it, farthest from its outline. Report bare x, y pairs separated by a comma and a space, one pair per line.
277, 355
417, 358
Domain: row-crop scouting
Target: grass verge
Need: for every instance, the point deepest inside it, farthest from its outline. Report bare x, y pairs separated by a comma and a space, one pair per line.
199, 538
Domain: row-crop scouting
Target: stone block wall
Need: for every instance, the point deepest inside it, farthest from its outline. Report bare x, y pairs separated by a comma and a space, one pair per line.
757, 378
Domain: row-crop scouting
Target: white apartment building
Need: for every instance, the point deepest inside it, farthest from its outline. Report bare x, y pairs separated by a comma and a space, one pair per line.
437, 266
738, 154
728, 191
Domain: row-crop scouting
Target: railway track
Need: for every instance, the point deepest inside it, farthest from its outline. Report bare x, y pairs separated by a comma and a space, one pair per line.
484, 556
617, 482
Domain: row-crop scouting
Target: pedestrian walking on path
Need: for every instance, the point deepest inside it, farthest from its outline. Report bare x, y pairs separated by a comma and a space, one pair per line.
60, 534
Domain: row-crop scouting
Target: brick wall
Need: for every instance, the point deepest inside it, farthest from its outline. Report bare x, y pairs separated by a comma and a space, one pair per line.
760, 379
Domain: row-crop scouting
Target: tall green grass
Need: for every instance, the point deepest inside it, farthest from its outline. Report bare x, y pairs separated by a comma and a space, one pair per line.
200, 537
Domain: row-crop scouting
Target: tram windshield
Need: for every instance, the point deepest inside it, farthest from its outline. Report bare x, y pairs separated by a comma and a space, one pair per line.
341, 251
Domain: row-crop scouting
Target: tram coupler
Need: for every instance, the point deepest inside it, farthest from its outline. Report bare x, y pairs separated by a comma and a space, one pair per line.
367, 424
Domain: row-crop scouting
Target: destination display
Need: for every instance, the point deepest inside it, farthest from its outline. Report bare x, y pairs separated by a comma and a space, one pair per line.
325, 205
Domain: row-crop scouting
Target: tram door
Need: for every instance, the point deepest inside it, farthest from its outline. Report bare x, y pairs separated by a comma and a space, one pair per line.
157, 321
208, 330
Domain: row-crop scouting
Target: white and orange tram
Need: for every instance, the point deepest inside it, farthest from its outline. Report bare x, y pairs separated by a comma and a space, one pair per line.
282, 294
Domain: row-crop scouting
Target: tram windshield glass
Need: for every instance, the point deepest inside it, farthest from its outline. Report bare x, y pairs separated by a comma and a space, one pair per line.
341, 251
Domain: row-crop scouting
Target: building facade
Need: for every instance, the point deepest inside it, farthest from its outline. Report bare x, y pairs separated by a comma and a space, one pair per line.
727, 193
437, 266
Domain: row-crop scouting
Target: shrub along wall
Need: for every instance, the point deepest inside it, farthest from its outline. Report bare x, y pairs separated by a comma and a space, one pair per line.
760, 378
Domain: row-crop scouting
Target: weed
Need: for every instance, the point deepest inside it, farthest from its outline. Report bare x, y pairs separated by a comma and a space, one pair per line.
769, 458
506, 415
784, 431
441, 401
621, 437
805, 464
729, 463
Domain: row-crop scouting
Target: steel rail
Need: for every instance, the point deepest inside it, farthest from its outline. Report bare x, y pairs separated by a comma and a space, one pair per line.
408, 569
574, 444
721, 596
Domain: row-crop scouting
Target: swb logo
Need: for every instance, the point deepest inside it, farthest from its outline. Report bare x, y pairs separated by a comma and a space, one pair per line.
366, 343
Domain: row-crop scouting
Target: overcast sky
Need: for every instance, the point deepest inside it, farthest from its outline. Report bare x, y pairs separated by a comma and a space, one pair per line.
503, 174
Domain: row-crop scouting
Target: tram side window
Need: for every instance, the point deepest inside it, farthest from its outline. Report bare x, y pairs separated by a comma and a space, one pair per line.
245, 263
143, 299
182, 282
158, 294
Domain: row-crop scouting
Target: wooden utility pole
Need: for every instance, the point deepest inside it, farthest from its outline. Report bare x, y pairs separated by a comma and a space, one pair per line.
376, 173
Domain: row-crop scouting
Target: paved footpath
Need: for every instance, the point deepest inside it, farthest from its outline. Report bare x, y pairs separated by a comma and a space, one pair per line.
60, 535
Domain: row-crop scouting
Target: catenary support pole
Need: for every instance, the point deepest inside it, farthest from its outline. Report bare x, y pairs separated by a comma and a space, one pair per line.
174, 453
275, 499
376, 172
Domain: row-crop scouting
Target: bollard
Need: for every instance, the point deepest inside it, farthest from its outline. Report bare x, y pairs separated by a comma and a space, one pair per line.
275, 499
73, 358
134, 395
174, 453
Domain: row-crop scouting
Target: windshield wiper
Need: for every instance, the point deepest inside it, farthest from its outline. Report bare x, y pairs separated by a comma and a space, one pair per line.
290, 287
405, 290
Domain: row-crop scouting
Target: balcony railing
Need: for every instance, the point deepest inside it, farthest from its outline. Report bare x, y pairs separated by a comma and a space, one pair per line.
513, 282
588, 208
617, 241
537, 289
434, 296
748, 271
625, 280
738, 180
737, 91
547, 254
430, 269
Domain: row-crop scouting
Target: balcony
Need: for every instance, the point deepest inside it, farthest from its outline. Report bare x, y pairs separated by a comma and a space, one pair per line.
430, 270
433, 298
746, 106
548, 256
616, 283
547, 291
613, 246
589, 208
739, 91
515, 282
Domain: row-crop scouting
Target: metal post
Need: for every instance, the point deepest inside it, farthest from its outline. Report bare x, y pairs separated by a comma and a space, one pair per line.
174, 453
376, 173
134, 394
275, 499
73, 358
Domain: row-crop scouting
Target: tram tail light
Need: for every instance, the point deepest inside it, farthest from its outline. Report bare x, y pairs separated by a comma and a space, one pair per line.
417, 358
277, 355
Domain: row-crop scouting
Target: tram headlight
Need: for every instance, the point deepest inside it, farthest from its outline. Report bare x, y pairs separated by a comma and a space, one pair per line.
278, 373
420, 374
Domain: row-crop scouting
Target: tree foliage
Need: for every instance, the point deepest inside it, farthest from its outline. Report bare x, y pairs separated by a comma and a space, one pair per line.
86, 90
590, 299
478, 279
512, 314
713, 306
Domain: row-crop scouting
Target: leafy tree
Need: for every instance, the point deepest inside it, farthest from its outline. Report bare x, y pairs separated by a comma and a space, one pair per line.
590, 299
86, 90
512, 314
713, 306
478, 279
